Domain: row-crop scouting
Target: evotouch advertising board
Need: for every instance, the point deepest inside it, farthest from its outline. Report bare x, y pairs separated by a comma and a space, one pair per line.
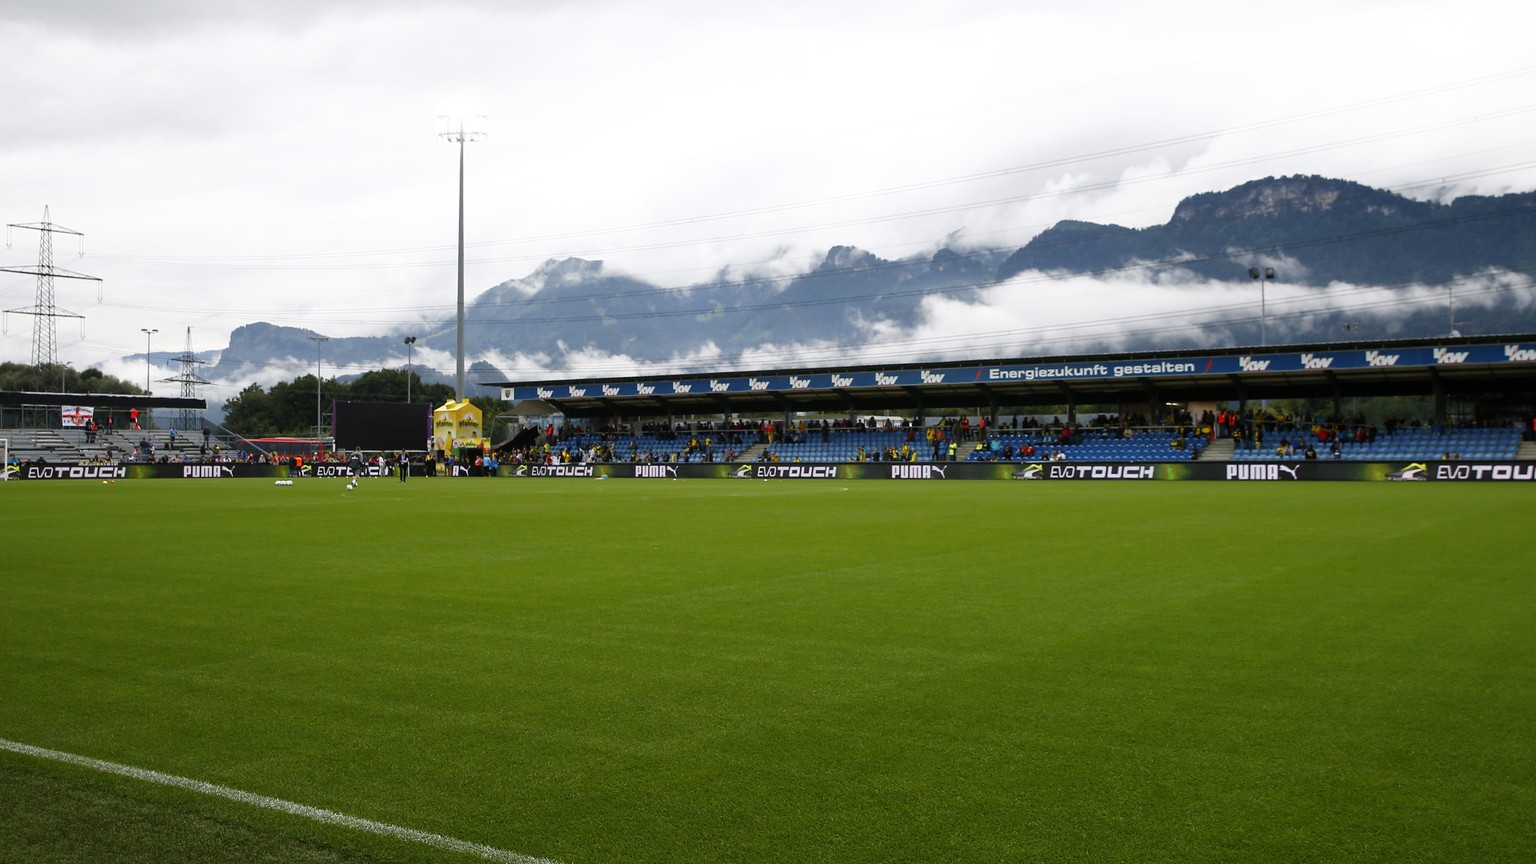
1488, 471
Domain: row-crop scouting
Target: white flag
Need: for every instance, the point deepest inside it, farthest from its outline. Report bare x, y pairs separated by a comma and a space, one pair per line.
76, 415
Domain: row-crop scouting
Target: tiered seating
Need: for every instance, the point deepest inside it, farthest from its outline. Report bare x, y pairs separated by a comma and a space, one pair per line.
1096, 446
843, 446
1404, 444
124, 440
666, 449
47, 444
71, 444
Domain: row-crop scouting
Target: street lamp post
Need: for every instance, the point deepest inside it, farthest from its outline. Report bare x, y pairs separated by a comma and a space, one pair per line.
319, 429
1261, 277
459, 136
148, 334
409, 341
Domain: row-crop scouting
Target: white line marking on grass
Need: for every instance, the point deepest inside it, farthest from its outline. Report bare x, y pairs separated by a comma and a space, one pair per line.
490, 853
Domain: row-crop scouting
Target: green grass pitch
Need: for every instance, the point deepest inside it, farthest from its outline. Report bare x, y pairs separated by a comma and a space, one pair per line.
655, 672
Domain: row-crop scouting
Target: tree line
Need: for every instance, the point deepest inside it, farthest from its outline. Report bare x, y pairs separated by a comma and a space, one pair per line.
58, 378
288, 407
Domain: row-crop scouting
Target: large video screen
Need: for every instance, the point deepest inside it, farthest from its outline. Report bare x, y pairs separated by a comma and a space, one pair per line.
382, 426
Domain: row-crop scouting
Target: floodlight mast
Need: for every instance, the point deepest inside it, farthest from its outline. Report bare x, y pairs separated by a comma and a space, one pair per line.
460, 136
319, 429
1263, 277
409, 341
148, 335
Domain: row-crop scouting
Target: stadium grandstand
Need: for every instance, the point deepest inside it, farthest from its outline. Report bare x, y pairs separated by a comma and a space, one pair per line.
1167, 406
47, 426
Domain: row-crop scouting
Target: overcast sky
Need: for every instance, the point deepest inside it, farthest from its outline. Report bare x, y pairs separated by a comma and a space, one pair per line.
281, 161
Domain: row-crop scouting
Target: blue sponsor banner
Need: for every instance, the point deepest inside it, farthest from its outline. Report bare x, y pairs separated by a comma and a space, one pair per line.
1086, 370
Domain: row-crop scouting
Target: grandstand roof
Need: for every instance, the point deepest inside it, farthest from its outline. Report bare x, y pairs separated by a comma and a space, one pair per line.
20, 398
1454, 366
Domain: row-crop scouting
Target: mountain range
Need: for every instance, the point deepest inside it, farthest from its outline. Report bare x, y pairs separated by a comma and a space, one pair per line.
1314, 231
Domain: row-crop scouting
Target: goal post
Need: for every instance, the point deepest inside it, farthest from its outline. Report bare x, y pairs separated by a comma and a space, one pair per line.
5, 458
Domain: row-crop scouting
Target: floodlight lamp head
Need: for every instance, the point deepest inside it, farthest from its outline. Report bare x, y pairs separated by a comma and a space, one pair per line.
1253, 272
454, 131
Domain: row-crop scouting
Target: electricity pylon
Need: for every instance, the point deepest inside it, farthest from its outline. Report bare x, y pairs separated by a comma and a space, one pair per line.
45, 338
189, 381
